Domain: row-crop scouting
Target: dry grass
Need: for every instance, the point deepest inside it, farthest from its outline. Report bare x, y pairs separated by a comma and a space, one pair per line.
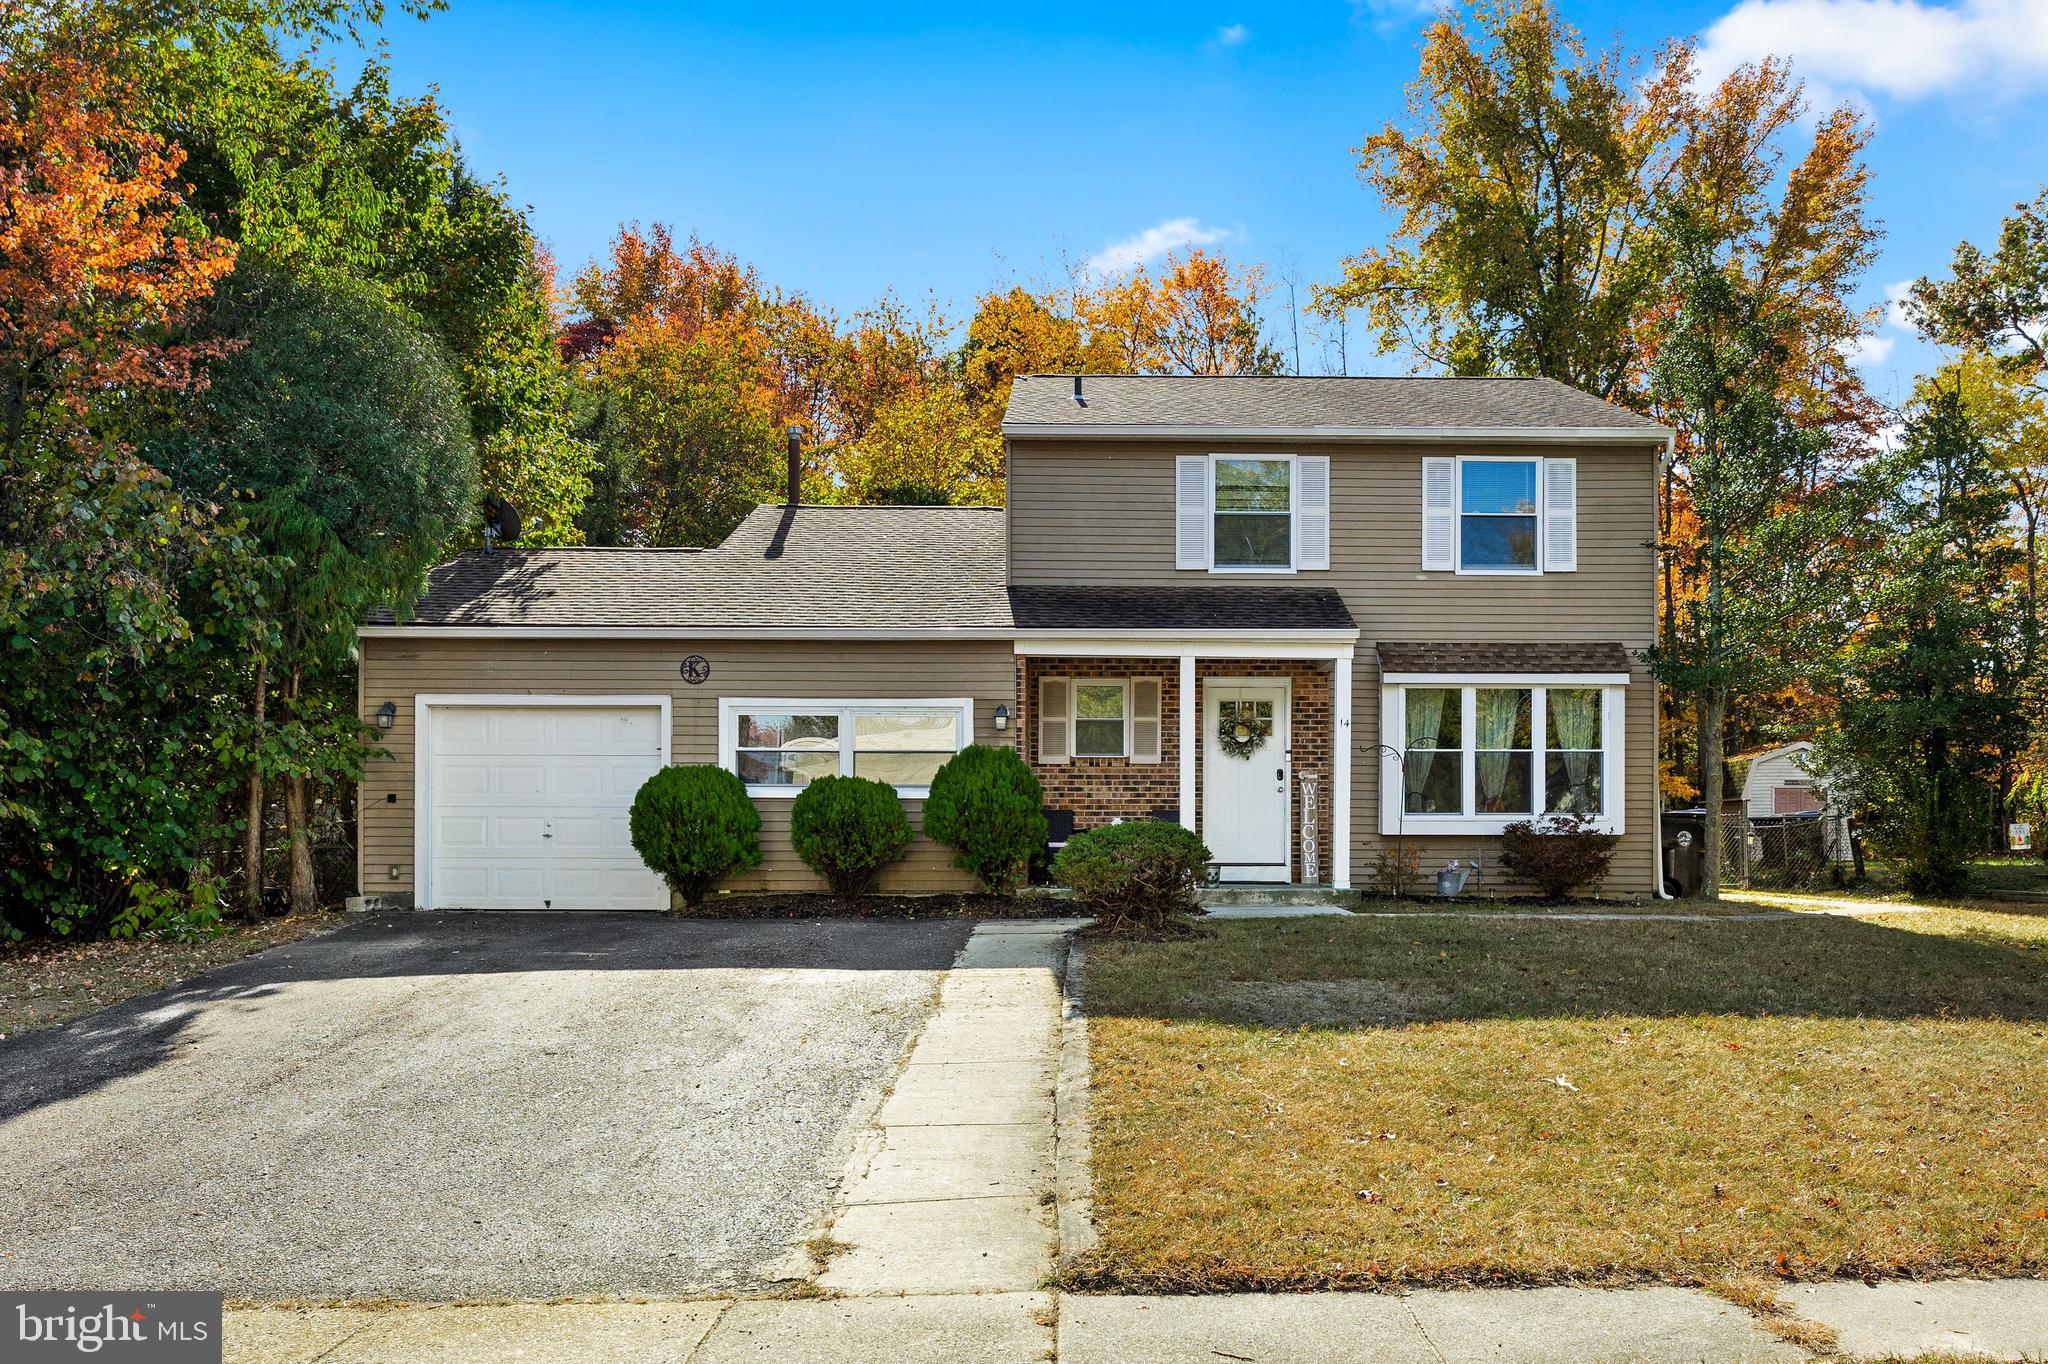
1760, 1298
44, 983
1645, 905
1351, 1102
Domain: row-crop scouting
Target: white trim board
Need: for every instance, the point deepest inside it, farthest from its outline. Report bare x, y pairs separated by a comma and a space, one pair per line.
423, 706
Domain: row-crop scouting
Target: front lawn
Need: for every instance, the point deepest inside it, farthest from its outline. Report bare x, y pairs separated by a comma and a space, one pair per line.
1471, 904
46, 982
1350, 1102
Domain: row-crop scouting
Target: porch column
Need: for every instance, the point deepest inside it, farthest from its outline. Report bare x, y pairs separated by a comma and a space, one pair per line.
1340, 772
1188, 817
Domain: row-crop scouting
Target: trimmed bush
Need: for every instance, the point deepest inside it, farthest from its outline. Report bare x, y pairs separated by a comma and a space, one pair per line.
986, 804
1557, 853
847, 829
1138, 874
694, 825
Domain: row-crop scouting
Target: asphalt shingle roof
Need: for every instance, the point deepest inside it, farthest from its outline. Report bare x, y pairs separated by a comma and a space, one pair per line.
807, 568
1560, 656
1045, 403
1178, 608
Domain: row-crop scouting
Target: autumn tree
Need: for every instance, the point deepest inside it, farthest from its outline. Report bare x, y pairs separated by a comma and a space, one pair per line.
1198, 314
1014, 331
1532, 181
106, 743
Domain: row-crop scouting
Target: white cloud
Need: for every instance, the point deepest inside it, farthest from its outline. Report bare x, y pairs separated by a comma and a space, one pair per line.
1153, 244
1388, 15
1895, 297
1869, 350
1233, 35
1904, 48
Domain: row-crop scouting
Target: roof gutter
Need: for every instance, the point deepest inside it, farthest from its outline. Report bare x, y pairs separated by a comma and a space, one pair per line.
1656, 436
674, 632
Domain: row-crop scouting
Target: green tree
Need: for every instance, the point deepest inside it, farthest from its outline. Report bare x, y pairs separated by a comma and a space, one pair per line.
1769, 552
1996, 301
1932, 687
340, 425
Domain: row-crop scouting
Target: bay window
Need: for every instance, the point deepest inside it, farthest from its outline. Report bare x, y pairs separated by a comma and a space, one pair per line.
779, 747
1477, 754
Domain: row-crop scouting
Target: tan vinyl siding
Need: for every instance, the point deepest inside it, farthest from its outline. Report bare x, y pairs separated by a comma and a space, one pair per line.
398, 669
1102, 512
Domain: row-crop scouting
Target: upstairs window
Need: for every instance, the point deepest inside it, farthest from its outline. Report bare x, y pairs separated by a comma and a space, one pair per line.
1497, 515
1254, 513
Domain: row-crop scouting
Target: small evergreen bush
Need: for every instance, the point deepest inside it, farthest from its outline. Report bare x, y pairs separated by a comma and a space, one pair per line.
694, 825
1138, 874
1557, 853
986, 804
847, 829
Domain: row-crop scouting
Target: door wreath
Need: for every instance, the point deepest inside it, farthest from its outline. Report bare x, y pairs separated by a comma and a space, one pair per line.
1240, 732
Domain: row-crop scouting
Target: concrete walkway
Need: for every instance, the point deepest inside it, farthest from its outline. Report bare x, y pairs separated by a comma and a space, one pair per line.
944, 1234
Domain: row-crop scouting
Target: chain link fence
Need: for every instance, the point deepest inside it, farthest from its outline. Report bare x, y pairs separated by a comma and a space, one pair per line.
1776, 854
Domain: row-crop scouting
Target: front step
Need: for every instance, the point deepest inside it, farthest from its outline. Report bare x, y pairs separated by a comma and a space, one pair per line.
1275, 894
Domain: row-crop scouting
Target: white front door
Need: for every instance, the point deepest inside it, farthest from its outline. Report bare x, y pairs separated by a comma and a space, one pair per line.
527, 806
1245, 778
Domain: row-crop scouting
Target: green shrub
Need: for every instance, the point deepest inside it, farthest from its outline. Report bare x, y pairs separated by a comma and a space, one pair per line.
986, 804
1557, 853
694, 825
1139, 874
847, 829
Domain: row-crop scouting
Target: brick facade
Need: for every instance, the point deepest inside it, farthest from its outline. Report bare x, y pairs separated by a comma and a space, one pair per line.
1101, 790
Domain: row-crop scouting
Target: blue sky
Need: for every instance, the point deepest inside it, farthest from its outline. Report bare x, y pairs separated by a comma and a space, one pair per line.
849, 149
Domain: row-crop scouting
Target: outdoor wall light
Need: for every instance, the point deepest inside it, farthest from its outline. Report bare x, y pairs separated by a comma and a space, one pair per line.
387, 715
1002, 718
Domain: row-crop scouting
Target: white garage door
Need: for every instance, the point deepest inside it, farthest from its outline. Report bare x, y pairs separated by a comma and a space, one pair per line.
528, 806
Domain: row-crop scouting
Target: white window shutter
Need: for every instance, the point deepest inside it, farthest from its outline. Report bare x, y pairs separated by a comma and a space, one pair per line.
1191, 512
1560, 515
1312, 511
1145, 718
1055, 720
1439, 514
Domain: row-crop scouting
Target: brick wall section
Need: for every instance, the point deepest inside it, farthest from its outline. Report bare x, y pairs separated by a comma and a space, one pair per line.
1100, 790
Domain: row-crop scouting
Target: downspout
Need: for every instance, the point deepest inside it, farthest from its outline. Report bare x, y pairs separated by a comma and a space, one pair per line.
1656, 708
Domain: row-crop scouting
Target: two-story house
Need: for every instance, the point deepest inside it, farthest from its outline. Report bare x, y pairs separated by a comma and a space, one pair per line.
1307, 617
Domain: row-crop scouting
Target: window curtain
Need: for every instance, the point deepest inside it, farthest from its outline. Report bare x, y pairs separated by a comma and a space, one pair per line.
1495, 716
1575, 720
1425, 722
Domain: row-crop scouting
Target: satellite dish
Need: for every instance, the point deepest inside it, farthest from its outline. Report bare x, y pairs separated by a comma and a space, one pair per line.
501, 522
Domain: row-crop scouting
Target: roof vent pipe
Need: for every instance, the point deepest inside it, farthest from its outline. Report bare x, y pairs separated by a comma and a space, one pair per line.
796, 465
1078, 399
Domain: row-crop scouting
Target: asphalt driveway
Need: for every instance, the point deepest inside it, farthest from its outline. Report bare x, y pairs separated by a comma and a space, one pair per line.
460, 1106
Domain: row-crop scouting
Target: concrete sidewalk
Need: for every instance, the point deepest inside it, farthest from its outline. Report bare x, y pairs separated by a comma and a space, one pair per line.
2002, 1319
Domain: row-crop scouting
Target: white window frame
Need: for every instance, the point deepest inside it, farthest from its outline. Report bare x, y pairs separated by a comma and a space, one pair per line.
1293, 511
730, 708
1074, 685
1394, 727
1458, 517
